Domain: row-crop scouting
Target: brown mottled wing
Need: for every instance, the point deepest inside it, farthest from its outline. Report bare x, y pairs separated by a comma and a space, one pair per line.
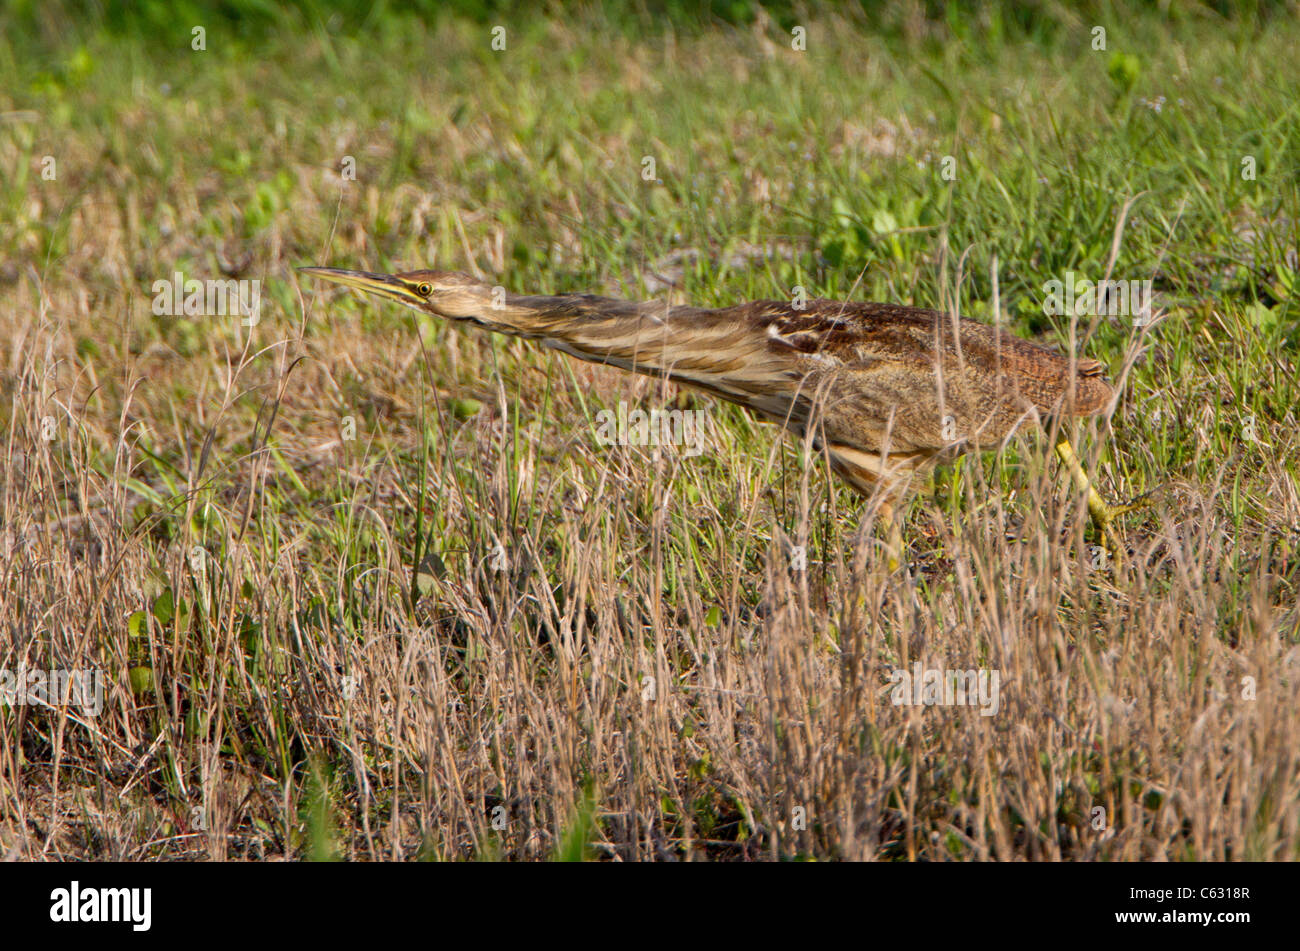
904, 375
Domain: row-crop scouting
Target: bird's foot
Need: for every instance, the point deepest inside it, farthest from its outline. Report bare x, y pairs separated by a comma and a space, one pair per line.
1134, 504
1104, 517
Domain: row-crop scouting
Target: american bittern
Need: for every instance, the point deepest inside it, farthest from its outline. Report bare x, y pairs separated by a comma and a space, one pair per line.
887, 391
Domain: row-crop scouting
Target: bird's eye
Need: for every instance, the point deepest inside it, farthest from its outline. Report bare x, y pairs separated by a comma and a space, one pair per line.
424, 289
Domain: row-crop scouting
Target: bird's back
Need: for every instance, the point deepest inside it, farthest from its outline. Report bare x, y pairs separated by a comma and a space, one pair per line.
927, 379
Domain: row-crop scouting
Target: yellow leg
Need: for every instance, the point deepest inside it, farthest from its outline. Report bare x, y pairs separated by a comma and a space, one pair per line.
1103, 515
893, 535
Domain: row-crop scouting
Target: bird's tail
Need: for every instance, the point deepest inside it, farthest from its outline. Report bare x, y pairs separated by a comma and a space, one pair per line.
1092, 392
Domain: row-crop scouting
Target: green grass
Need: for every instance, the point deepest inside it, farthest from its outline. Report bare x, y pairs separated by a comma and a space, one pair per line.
366, 586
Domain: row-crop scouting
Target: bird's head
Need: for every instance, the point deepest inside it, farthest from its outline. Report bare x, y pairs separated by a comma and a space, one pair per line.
442, 293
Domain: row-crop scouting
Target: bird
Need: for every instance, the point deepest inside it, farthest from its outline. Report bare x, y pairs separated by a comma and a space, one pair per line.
886, 391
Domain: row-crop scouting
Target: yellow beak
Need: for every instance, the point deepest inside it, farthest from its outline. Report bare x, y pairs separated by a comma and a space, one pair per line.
385, 285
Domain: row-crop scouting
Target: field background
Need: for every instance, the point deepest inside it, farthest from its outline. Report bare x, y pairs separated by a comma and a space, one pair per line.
365, 585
